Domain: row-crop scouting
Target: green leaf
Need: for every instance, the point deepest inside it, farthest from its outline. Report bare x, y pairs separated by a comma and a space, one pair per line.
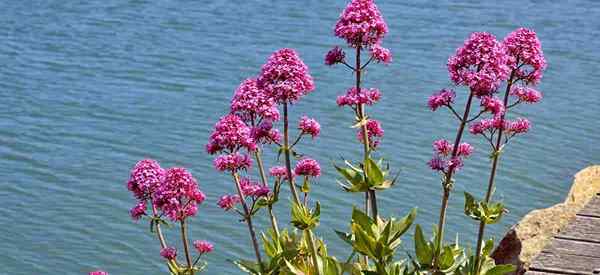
375, 176
422, 248
247, 266
361, 218
501, 270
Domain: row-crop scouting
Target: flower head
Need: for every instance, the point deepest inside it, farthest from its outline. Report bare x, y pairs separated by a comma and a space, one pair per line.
227, 202
279, 172
145, 178
526, 94
308, 167
253, 189
98, 272
464, 150
526, 55
355, 97
232, 162
309, 126
481, 64
285, 77
518, 126
264, 133
492, 104
445, 160
437, 163
334, 56
445, 97
203, 246
374, 131
169, 253
230, 134
252, 104
381, 54
361, 24
138, 210
179, 196
442, 147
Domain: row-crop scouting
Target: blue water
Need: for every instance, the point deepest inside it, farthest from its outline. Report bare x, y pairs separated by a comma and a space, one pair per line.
90, 87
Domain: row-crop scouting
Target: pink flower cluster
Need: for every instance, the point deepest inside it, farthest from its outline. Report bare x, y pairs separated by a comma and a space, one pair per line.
309, 126
279, 172
285, 77
492, 104
525, 48
518, 126
308, 167
179, 196
354, 97
98, 272
230, 134
264, 133
252, 104
445, 160
361, 24
232, 162
526, 94
334, 56
253, 189
203, 247
146, 177
381, 54
445, 97
169, 253
138, 210
374, 131
227, 202
481, 64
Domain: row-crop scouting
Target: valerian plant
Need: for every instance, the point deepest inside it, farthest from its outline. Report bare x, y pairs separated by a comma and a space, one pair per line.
259, 118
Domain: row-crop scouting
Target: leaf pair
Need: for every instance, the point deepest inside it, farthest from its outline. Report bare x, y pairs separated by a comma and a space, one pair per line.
450, 257
369, 176
489, 213
303, 218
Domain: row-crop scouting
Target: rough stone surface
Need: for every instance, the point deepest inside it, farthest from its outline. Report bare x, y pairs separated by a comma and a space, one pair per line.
527, 238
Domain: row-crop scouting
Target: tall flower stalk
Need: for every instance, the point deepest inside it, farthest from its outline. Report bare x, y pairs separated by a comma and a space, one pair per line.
527, 63
480, 64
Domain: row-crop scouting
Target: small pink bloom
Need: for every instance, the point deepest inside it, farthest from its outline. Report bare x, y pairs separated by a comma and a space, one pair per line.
253, 189
519, 126
145, 178
227, 202
437, 163
444, 97
480, 127
492, 104
334, 56
285, 77
138, 210
265, 133
442, 147
381, 54
179, 196
232, 162
526, 94
98, 272
169, 253
308, 167
279, 171
374, 131
253, 104
309, 126
356, 97
230, 134
455, 164
464, 149
203, 246
361, 24
526, 55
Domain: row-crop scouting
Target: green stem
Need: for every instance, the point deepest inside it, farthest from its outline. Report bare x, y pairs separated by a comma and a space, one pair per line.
490, 188
186, 248
447, 185
263, 177
248, 219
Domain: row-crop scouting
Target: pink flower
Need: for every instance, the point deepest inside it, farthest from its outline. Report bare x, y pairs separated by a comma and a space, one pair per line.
480, 127
361, 24
445, 97
356, 97
374, 130
98, 272
442, 147
308, 167
138, 210
285, 77
252, 104
334, 56
230, 134
253, 189
526, 55
309, 126
526, 94
145, 178
279, 172
519, 126
232, 162
464, 149
227, 202
437, 163
264, 133
179, 196
492, 104
381, 54
203, 246
454, 164
169, 253
481, 64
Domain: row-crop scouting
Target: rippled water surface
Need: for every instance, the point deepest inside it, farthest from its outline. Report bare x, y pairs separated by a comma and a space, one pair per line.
90, 87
